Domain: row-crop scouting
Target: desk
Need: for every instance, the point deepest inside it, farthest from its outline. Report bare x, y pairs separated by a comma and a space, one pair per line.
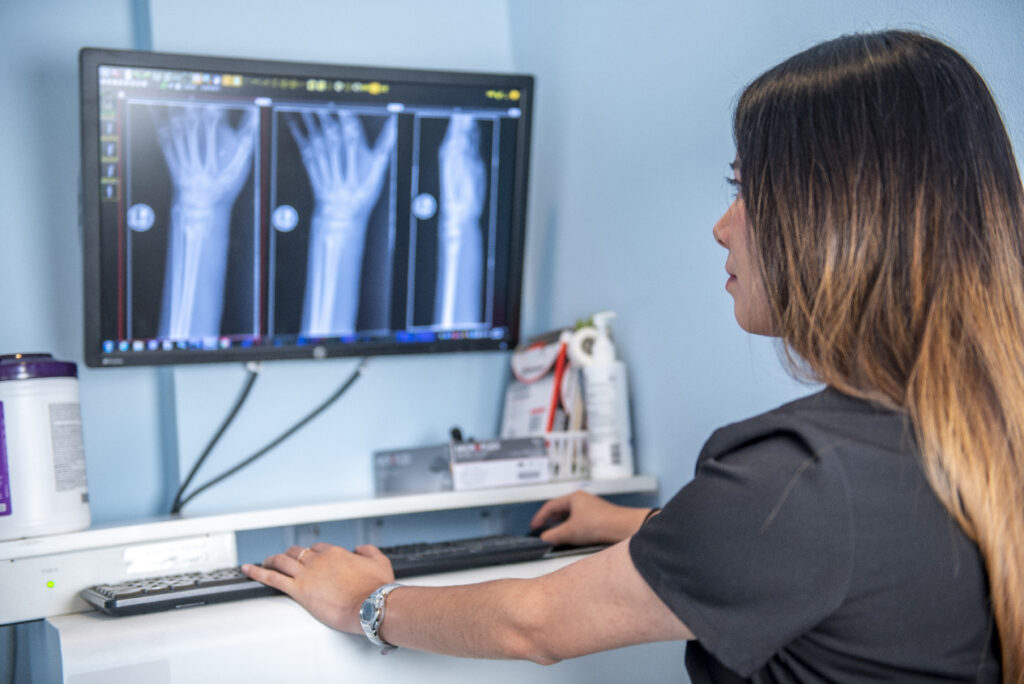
41, 577
274, 640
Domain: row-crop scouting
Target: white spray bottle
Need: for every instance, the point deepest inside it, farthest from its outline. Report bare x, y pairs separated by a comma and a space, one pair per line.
606, 396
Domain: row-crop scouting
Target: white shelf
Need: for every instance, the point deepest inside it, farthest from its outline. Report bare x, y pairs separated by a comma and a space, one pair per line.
168, 527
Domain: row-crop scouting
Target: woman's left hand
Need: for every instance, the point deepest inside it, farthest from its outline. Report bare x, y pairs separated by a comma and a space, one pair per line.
328, 581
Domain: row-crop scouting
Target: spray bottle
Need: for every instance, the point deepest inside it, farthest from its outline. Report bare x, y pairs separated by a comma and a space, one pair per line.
606, 396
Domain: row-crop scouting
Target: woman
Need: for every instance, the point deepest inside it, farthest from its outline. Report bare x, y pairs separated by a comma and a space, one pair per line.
870, 531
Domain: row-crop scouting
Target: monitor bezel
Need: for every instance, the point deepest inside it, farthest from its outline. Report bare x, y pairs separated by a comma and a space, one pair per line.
91, 58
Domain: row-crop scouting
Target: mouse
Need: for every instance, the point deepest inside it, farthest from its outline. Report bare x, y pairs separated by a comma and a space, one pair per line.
565, 549
545, 526
537, 531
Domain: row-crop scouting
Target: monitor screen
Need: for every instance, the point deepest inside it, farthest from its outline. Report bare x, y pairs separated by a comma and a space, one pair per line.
239, 209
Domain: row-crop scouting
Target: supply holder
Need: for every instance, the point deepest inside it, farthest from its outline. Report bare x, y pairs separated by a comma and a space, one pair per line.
567, 455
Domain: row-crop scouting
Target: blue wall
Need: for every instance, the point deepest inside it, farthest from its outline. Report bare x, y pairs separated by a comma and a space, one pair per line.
632, 139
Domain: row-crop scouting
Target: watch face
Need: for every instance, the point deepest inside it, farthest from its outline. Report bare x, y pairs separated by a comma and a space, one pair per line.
367, 611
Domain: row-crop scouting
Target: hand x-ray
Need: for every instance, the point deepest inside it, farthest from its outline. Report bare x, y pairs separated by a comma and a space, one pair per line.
190, 219
452, 167
346, 226
353, 245
458, 298
347, 174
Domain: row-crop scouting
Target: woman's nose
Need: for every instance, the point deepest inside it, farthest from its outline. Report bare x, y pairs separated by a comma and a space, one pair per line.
720, 230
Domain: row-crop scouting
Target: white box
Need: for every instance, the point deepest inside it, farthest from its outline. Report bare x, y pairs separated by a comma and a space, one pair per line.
499, 463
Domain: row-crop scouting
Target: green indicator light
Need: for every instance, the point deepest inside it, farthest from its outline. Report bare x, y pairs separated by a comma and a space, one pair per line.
50, 584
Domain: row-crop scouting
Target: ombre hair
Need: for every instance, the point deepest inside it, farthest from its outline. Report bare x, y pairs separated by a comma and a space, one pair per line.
888, 218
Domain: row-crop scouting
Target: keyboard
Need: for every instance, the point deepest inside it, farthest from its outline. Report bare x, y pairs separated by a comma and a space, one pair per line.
462, 554
183, 590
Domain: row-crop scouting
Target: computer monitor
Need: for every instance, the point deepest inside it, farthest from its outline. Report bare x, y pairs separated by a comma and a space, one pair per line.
239, 209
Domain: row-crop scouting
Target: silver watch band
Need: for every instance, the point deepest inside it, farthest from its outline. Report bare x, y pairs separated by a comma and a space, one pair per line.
371, 615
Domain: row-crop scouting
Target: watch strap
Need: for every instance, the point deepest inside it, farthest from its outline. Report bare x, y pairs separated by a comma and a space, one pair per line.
371, 626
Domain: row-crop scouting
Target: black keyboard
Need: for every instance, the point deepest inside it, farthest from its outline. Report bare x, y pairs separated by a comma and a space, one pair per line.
461, 554
152, 594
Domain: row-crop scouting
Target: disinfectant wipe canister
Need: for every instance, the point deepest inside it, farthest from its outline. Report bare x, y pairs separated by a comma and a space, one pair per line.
42, 462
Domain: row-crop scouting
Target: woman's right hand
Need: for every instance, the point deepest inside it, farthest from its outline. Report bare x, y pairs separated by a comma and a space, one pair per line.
586, 519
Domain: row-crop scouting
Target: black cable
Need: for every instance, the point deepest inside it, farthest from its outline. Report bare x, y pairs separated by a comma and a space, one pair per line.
282, 437
254, 371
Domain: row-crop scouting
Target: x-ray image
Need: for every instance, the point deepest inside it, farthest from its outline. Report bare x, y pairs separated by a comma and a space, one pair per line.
334, 176
452, 168
191, 219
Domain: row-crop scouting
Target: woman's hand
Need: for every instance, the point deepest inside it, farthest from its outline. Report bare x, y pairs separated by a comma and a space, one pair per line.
328, 581
587, 519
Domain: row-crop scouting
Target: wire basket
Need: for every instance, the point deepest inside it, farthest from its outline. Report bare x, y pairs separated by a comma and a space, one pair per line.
567, 455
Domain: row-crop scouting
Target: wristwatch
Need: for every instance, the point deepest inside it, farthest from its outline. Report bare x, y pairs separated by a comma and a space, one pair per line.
371, 614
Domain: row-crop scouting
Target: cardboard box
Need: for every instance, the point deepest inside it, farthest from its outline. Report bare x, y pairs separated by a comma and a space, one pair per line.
499, 463
413, 471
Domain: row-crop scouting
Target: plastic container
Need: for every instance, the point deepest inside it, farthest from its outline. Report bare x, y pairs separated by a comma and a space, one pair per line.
606, 397
43, 487
567, 454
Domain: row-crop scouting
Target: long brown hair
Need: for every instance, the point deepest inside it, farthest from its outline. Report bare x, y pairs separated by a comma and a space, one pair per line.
888, 214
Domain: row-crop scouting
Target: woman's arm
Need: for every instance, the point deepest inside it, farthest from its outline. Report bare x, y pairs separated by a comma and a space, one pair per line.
598, 603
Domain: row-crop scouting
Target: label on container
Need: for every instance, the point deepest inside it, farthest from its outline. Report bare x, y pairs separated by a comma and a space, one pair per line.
5, 479
68, 451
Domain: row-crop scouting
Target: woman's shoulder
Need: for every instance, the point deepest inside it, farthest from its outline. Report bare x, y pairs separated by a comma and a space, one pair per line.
822, 423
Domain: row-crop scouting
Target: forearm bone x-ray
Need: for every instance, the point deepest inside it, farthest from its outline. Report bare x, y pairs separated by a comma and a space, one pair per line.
209, 162
346, 176
463, 188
